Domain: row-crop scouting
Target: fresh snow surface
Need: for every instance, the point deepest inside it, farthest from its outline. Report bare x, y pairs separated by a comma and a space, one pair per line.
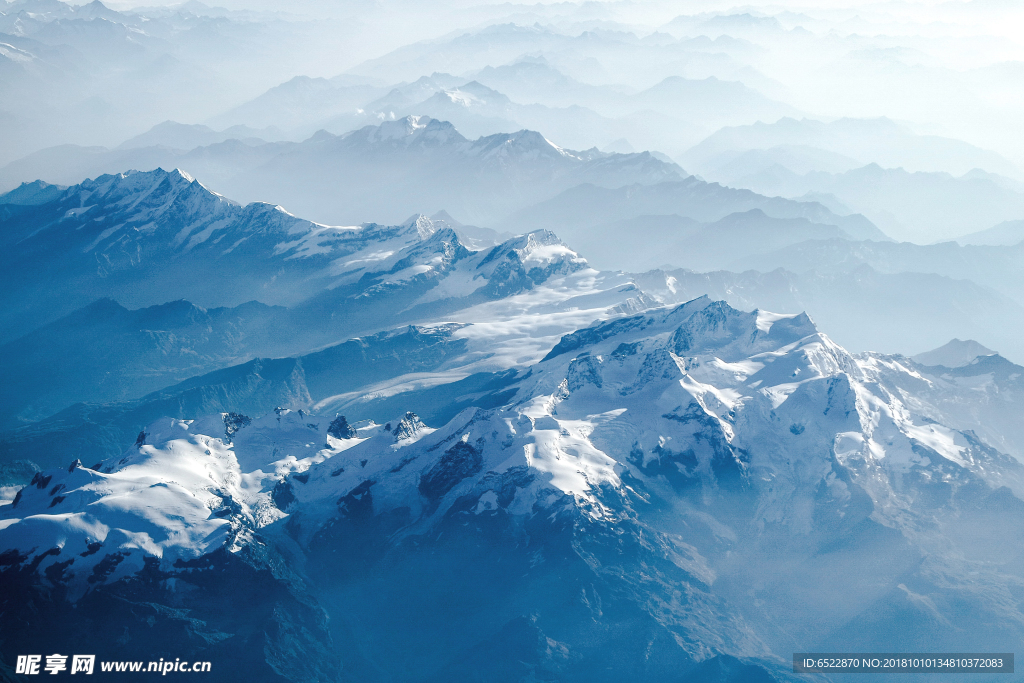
631, 395
186, 490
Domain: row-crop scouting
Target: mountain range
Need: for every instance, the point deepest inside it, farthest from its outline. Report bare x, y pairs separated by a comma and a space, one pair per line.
89, 74
397, 153
503, 181
918, 207
993, 267
688, 221
849, 142
219, 405
392, 342
625, 509
146, 238
664, 116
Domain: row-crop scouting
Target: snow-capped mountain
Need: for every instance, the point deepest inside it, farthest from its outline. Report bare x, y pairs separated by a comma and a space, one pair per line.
426, 162
675, 83
501, 305
182, 513
150, 237
443, 369
147, 238
849, 302
426, 165
645, 483
981, 394
528, 93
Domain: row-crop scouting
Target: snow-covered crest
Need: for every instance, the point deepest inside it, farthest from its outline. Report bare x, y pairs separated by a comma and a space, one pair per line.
740, 428
185, 489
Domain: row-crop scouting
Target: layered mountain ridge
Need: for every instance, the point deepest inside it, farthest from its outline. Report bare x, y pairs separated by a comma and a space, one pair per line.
650, 462
426, 164
428, 372
147, 237
166, 235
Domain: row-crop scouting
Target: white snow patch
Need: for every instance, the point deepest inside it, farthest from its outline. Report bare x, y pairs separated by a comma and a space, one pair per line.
938, 438
765, 319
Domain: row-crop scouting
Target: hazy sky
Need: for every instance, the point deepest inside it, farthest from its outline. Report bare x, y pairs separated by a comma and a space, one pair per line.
947, 67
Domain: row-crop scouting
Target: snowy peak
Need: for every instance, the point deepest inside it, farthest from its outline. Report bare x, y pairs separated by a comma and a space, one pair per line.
425, 264
183, 490
437, 252
197, 245
425, 226
700, 327
521, 263
411, 131
171, 501
736, 426
751, 399
158, 213
525, 145
542, 250
719, 328
132, 188
515, 154
375, 256
472, 94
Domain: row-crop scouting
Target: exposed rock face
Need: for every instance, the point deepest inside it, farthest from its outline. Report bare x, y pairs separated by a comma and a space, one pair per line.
340, 429
458, 462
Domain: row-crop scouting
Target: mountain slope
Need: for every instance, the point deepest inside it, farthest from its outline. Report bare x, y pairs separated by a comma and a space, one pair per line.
1008, 233
921, 207
185, 137
427, 165
503, 305
146, 238
588, 216
300, 102
927, 310
710, 100
104, 352
619, 515
167, 555
881, 141
997, 268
